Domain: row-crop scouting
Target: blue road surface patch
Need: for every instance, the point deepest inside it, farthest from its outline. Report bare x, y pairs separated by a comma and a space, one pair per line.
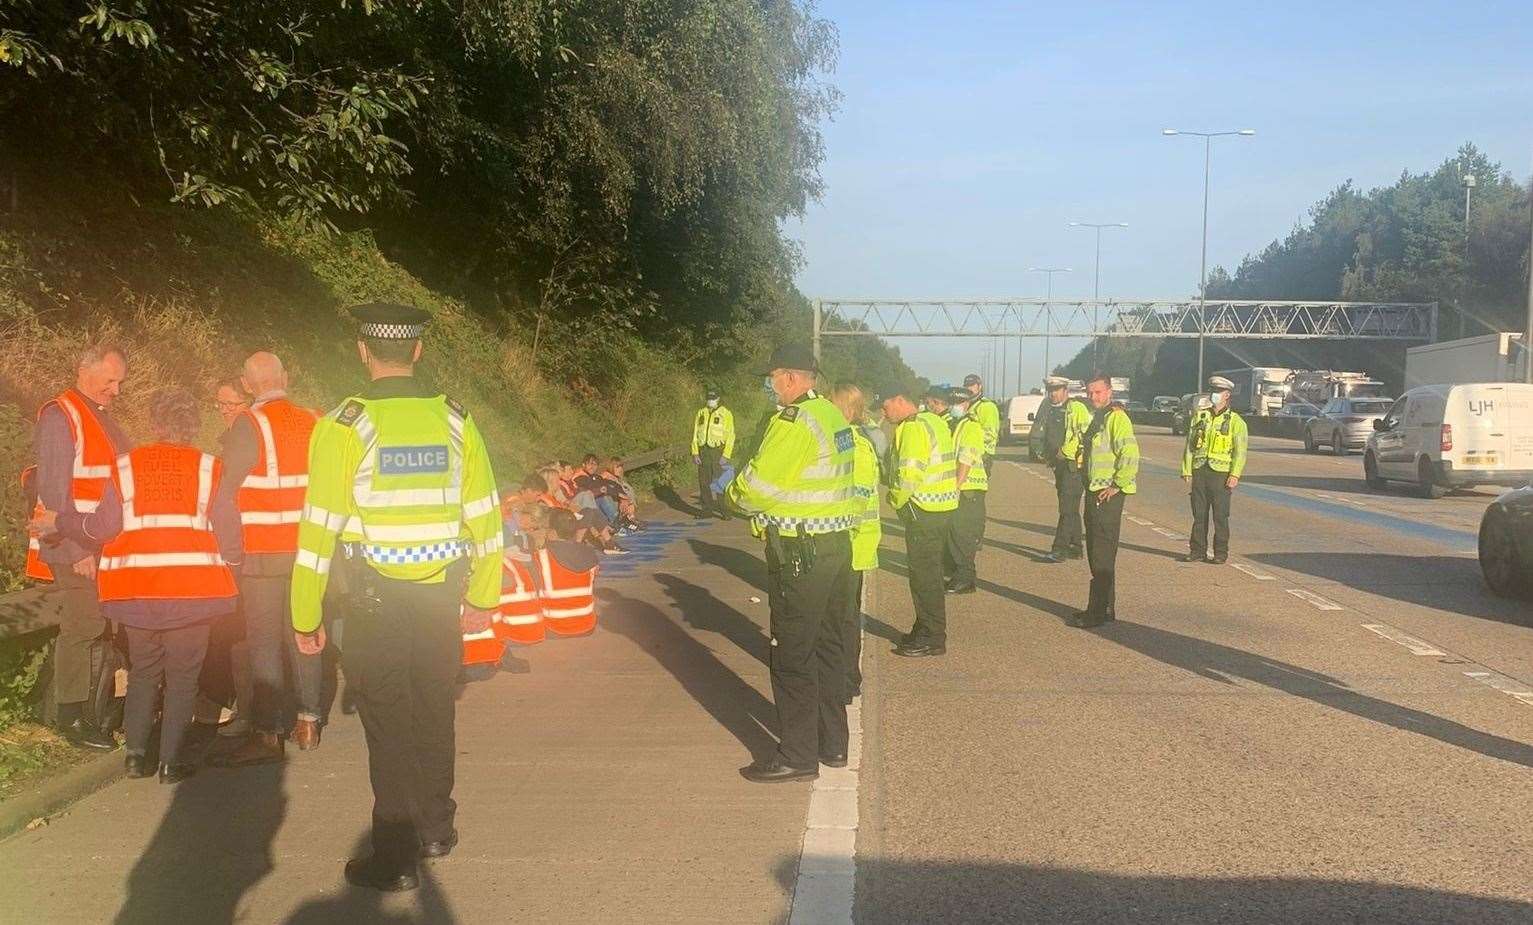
646, 547
412, 460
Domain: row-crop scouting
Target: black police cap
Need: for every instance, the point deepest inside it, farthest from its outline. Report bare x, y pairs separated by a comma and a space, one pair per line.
390, 320
792, 356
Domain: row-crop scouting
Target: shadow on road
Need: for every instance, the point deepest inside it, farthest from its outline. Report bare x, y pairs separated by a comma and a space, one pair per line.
734, 704
213, 844
939, 891
895, 563
1226, 665
427, 905
1448, 583
666, 494
742, 564
702, 611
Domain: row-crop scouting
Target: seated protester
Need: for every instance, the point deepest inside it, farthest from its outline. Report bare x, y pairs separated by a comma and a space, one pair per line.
605, 492
513, 505
628, 501
592, 526
565, 571
520, 618
170, 541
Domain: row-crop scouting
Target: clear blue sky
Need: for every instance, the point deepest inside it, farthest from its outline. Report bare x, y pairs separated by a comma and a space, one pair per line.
971, 134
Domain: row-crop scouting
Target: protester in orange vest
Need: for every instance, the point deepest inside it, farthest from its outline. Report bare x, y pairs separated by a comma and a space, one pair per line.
566, 579
266, 458
521, 612
76, 441
170, 542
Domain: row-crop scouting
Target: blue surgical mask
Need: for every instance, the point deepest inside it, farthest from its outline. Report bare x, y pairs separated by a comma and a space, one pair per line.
713, 402
957, 412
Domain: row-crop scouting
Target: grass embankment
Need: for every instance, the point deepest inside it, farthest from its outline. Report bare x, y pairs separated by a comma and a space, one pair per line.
191, 294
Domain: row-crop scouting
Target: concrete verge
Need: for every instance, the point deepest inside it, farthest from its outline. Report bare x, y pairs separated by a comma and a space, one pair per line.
59, 793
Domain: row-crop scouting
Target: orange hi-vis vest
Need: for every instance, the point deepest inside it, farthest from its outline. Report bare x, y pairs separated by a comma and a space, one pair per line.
92, 469
167, 549
271, 497
483, 648
569, 597
521, 612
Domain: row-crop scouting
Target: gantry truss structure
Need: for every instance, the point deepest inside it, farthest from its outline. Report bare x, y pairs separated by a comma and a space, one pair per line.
1385, 321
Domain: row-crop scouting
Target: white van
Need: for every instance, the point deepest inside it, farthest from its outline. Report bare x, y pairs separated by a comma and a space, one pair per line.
1021, 412
1442, 437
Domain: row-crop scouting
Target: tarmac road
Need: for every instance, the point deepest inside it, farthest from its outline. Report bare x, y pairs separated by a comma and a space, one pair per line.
1240, 746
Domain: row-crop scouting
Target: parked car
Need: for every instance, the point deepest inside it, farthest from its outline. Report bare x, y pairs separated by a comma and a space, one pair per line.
1302, 410
1183, 412
1506, 543
1165, 404
1442, 437
1135, 407
1344, 423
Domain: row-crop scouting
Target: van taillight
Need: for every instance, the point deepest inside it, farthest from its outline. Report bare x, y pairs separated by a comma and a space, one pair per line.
1447, 437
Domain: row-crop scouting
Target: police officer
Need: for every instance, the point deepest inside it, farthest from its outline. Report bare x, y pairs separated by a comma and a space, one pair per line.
1064, 421
401, 471
923, 491
1212, 463
1109, 457
987, 412
713, 442
968, 528
799, 492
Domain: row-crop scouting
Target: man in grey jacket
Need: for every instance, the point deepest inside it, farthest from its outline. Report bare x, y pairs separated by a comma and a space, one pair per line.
98, 380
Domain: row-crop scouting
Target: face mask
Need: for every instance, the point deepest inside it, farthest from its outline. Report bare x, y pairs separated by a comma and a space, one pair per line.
766, 383
713, 402
957, 412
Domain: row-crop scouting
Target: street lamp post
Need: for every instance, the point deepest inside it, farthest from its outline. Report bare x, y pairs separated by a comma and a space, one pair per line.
1048, 310
1208, 156
1096, 283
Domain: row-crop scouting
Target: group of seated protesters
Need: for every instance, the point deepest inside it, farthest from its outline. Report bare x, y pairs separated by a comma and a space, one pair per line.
603, 504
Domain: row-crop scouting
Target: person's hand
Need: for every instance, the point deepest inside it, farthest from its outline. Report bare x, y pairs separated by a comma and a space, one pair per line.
475, 620
1188, 480
310, 643
1106, 494
697, 460
43, 523
1231, 482
86, 567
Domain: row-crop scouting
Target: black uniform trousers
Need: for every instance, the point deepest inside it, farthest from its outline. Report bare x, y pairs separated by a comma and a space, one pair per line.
966, 534
807, 667
926, 539
1104, 521
1068, 490
403, 656
851, 635
1210, 495
708, 470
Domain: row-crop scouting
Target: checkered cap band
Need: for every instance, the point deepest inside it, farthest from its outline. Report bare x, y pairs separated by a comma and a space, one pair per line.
393, 331
404, 555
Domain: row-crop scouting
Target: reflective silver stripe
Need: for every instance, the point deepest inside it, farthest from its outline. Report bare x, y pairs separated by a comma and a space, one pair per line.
826, 496
487, 634
549, 591
331, 521
93, 472
86, 507
275, 481
523, 620
565, 613
81, 470
404, 497
312, 561
828, 471
159, 560
411, 533
489, 547
270, 518
822, 438
480, 507
269, 449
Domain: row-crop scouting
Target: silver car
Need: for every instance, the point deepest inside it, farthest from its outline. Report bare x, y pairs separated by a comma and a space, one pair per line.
1344, 423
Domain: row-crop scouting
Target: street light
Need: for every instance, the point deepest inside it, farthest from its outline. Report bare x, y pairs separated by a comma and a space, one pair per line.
1048, 311
1208, 154
1096, 284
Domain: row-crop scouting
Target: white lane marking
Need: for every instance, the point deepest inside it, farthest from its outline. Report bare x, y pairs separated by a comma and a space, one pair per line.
1416, 646
1342, 499
1140, 520
1315, 600
1259, 576
1169, 534
824, 887
1504, 684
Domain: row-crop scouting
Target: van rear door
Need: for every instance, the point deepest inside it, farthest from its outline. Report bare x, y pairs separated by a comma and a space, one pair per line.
1519, 426
1484, 414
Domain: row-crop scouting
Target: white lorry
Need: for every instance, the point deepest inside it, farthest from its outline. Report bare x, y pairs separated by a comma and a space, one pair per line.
1319, 386
1487, 358
1259, 390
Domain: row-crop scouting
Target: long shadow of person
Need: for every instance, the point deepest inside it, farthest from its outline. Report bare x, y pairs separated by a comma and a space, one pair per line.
1228, 666
666, 494
703, 611
426, 906
736, 705
737, 562
213, 844
894, 562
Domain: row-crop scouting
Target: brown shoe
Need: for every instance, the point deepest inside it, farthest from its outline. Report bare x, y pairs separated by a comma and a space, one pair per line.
260, 748
306, 734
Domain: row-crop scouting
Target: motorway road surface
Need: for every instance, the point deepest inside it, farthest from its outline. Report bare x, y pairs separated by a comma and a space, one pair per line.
1326, 730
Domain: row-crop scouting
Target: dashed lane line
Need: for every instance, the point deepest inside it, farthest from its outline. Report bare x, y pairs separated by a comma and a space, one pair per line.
1249, 570
1509, 686
1140, 520
1416, 646
1314, 600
